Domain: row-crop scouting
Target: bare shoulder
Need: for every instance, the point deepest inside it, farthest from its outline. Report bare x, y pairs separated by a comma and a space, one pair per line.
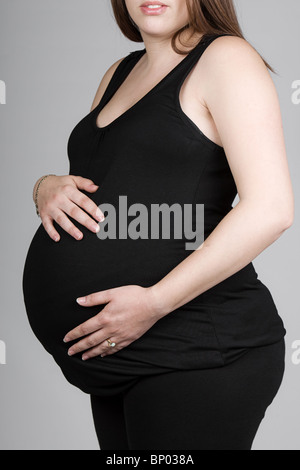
232, 70
104, 82
232, 55
231, 48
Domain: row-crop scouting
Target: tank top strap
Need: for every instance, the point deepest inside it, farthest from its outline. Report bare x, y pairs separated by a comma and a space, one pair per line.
178, 75
175, 76
119, 75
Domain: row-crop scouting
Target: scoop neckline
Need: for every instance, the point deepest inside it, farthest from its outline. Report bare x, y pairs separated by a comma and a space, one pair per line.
139, 55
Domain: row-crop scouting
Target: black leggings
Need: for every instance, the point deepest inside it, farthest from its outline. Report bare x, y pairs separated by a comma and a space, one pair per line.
208, 409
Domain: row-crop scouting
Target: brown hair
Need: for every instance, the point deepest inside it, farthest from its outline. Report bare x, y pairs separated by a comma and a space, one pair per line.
205, 17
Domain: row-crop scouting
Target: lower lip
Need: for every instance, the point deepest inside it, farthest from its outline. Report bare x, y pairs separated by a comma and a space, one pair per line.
154, 11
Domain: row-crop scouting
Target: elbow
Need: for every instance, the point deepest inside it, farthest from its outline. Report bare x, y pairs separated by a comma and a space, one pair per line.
273, 218
287, 222
286, 218
277, 217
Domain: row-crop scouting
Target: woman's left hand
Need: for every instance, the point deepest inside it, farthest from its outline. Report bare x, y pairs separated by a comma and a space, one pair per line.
130, 311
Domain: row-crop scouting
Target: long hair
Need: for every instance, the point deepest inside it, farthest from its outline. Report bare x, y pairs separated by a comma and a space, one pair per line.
205, 17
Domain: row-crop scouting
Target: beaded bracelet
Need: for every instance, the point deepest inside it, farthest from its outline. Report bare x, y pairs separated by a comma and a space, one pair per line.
37, 191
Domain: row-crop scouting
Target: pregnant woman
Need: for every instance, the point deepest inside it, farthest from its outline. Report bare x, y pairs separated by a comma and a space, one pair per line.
179, 348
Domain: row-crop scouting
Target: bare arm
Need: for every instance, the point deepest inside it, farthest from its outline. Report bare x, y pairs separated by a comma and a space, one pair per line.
241, 97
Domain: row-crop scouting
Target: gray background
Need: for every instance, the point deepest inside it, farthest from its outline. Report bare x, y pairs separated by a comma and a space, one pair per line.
53, 54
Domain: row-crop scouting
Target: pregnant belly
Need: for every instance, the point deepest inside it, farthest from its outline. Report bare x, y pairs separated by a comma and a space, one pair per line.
55, 274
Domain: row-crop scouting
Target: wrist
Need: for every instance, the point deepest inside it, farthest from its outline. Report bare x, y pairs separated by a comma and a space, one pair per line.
35, 186
36, 190
158, 305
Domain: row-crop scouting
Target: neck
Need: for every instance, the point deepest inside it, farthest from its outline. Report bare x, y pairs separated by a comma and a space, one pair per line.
160, 54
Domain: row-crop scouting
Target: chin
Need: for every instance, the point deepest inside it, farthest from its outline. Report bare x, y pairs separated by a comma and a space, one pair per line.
156, 32
158, 28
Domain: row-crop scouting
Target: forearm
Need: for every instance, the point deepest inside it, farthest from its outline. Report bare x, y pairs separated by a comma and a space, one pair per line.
241, 236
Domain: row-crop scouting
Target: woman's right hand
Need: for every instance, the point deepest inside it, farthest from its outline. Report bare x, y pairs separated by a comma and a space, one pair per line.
59, 196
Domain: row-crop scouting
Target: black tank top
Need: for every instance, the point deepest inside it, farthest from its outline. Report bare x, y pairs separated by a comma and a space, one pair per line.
153, 154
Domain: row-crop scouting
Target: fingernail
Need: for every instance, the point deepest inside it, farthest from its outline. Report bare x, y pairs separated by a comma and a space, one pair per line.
84, 358
79, 236
96, 228
56, 238
81, 300
99, 215
70, 352
65, 340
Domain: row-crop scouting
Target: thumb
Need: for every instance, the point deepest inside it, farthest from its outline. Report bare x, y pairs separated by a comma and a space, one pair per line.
85, 183
96, 298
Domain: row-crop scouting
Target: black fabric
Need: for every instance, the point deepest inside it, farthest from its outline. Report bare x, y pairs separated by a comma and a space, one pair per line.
152, 154
212, 409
